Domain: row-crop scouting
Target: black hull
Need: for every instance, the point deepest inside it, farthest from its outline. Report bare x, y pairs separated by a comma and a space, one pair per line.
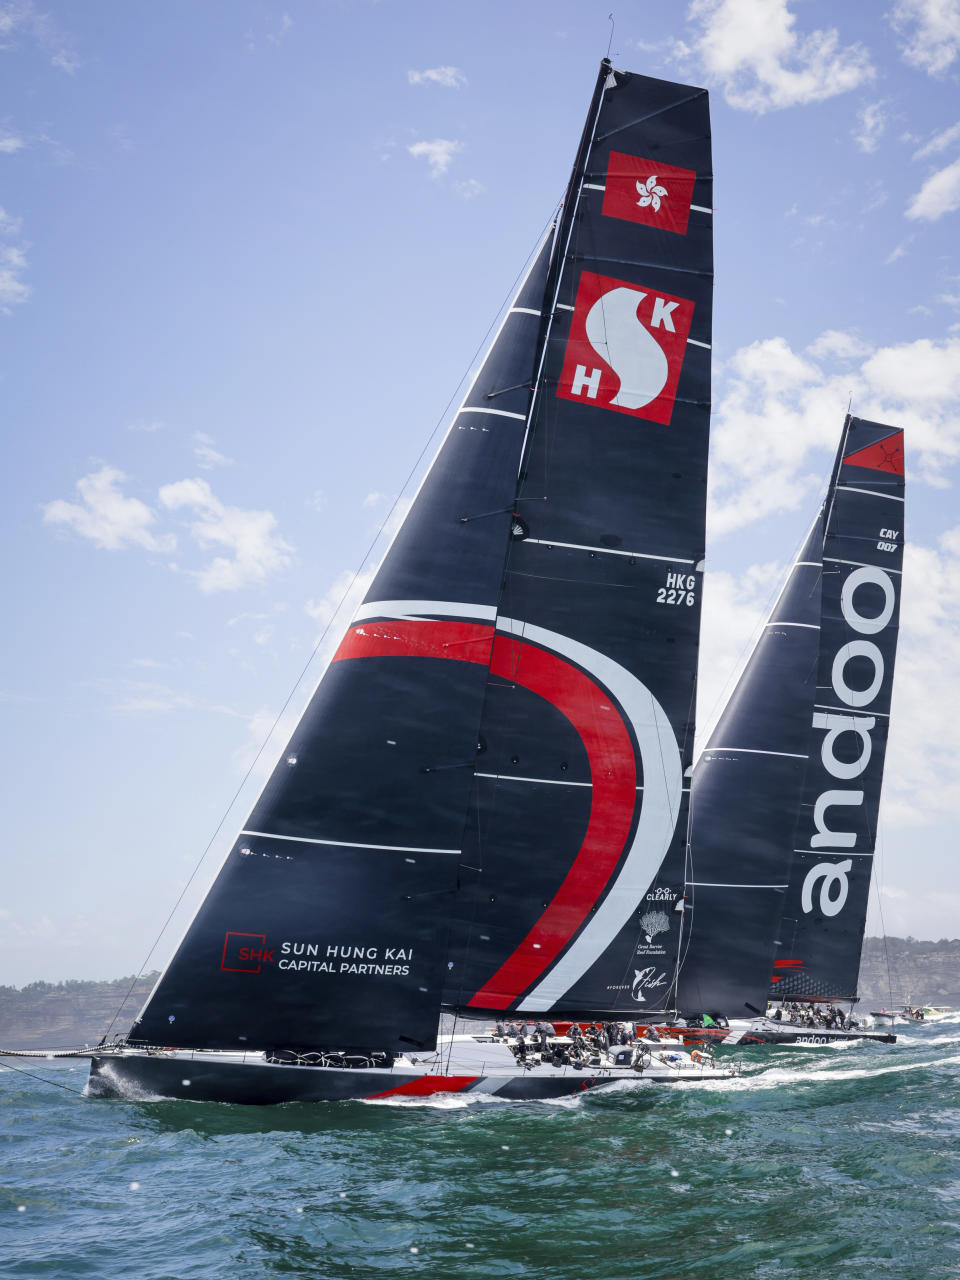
147, 1077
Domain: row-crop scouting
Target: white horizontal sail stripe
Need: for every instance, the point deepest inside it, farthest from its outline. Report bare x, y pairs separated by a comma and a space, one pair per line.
701, 208
755, 751
523, 311
400, 609
811, 626
694, 343
851, 488
710, 884
501, 413
594, 186
837, 853
850, 711
553, 782
658, 814
347, 844
564, 306
862, 564
607, 551
806, 564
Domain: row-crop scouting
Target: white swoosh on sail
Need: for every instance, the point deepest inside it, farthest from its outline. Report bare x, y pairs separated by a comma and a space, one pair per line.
628, 347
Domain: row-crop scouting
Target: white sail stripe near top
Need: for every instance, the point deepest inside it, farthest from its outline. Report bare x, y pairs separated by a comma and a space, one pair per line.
873, 493
701, 208
347, 844
862, 564
712, 884
837, 853
524, 311
415, 610
606, 551
755, 751
692, 342
810, 626
663, 776
601, 186
850, 711
564, 306
553, 782
501, 413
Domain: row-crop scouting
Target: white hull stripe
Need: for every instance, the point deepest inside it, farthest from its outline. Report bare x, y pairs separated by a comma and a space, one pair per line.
755, 751
606, 551
500, 413
419, 609
850, 488
862, 564
347, 844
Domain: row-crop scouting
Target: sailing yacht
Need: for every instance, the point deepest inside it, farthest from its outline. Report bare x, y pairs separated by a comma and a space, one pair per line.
483, 808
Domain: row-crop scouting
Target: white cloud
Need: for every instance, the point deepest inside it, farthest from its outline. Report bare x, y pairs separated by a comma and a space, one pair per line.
438, 154
469, 189
780, 409
284, 29
207, 457
106, 517
899, 252
10, 143
373, 498
256, 550
932, 32
837, 343
445, 77
939, 142
872, 121
764, 64
145, 426
21, 18
940, 194
13, 262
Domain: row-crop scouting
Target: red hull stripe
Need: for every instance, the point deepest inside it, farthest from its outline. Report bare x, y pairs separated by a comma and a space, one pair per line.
610, 755
424, 1086
885, 455
614, 775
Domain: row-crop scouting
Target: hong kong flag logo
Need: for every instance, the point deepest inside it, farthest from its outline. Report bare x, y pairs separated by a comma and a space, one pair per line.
647, 191
626, 347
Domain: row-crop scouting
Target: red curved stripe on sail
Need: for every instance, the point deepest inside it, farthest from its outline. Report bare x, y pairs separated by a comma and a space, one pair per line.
610, 756
614, 775
417, 639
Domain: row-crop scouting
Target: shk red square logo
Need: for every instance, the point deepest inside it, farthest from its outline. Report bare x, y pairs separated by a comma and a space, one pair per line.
647, 191
626, 347
245, 952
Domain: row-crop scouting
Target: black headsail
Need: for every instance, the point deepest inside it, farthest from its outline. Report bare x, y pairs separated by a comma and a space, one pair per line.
743, 805
324, 927
573, 856
821, 932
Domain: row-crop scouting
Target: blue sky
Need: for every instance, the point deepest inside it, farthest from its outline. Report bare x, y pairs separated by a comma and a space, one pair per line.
247, 251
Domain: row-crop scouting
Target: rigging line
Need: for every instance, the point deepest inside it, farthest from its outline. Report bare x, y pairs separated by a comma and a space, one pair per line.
333, 617
44, 1080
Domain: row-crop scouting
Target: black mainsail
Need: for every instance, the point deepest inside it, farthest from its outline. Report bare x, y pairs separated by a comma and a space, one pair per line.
821, 931
488, 784
573, 857
743, 804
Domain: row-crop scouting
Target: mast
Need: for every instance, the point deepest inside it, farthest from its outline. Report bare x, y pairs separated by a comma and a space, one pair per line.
573, 851
825, 910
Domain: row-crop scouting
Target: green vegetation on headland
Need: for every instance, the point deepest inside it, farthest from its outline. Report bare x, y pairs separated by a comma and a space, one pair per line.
66, 1015
60, 1015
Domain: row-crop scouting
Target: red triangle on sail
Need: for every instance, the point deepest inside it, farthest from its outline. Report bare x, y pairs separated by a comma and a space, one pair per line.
885, 455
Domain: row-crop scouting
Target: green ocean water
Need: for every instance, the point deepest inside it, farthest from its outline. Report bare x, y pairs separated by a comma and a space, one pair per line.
816, 1162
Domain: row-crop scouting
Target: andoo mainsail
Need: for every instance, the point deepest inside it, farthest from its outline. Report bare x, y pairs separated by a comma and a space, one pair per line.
786, 793
483, 808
